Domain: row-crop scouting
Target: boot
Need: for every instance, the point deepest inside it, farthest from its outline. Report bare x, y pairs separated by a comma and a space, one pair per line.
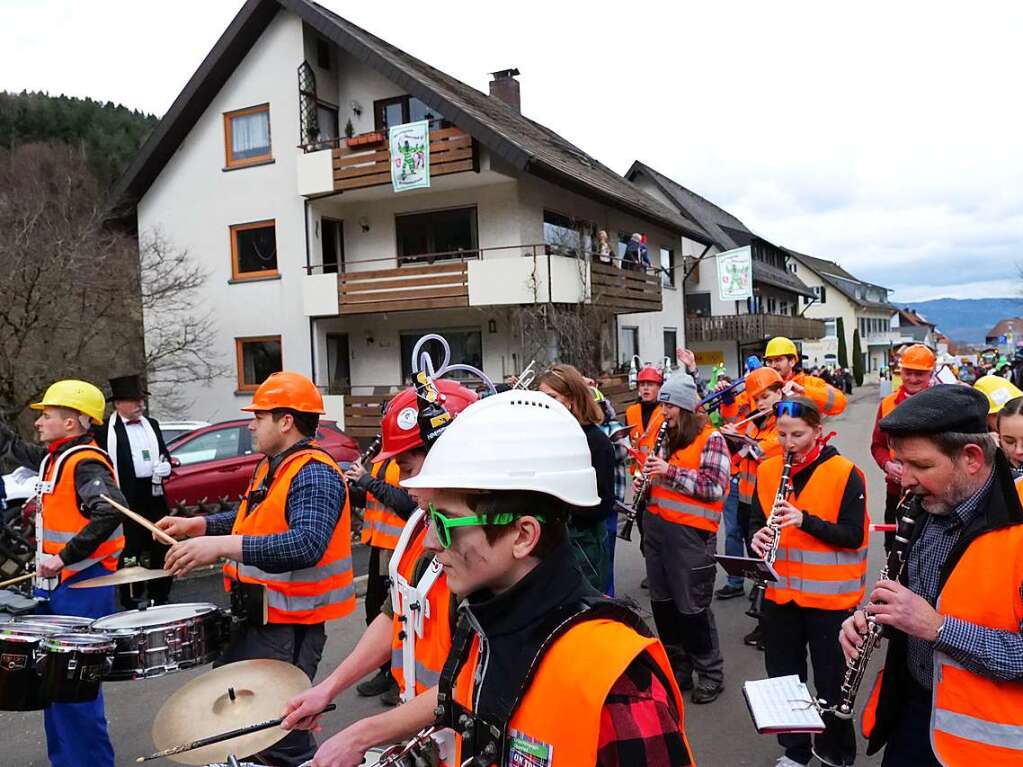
681, 666
377, 685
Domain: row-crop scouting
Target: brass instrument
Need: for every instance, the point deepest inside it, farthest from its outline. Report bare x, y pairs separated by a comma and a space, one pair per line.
756, 607
639, 504
525, 379
908, 512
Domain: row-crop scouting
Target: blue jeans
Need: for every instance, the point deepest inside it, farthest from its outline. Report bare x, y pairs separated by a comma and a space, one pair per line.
612, 538
734, 546
76, 733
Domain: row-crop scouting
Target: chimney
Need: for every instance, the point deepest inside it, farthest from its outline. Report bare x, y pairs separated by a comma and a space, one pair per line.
505, 87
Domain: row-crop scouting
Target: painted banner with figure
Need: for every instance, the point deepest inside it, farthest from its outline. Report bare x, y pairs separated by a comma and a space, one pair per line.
735, 274
410, 155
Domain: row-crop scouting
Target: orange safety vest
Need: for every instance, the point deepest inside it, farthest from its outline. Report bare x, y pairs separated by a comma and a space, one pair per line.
381, 526
557, 723
829, 399
737, 410
62, 518
888, 404
746, 466
813, 573
642, 440
673, 506
432, 629
314, 594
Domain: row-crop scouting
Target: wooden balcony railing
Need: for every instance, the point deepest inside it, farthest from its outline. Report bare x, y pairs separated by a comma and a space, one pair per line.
440, 286
451, 151
751, 327
624, 291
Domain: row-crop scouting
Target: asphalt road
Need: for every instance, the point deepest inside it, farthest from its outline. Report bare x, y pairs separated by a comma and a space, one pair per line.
721, 733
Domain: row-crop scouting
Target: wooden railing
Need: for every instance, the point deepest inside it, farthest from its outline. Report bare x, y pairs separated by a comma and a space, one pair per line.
751, 327
408, 288
362, 414
451, 151
623, 290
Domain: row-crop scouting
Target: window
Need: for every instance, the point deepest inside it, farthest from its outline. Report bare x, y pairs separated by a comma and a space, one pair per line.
819, 296
332, 239
670, 343
698, 304
425, 237
568, 236
668, 269
247, 136
326, 121
216, 445
466, 348
339, 372
254, 250
322, 54
830, 327
257, 357
772, 305
404, 109
793, 267
630, 343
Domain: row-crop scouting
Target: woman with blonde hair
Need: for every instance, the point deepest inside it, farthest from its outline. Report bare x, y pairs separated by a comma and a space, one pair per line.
586, 526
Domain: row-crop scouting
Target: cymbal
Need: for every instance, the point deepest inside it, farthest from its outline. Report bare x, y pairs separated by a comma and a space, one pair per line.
123, 576
204, 707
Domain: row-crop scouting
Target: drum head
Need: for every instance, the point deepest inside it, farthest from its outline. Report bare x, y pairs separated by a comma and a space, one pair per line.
101, 643
65, 622
31, 629
153, 616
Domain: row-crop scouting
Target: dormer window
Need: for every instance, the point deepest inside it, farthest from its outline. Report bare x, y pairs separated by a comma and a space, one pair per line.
247, 136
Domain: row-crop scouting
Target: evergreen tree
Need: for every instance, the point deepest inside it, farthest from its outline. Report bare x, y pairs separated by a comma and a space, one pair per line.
857, 363
843, 351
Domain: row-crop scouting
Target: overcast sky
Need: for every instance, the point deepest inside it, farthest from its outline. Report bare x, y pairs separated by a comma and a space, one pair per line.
884, 136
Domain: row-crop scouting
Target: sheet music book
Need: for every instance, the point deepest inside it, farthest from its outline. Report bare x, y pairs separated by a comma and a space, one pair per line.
782, 704
748, 567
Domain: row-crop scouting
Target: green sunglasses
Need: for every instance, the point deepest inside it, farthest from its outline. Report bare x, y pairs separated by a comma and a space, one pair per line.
442, 525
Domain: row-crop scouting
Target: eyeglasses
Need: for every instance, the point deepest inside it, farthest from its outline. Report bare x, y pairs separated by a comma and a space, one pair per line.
793, 409
442, 525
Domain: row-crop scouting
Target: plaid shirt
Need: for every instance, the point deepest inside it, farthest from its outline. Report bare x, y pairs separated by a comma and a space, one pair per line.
991, 652
621, 458
639, 723
710, 481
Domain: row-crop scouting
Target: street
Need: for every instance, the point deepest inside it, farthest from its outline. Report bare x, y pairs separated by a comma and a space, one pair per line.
720, 733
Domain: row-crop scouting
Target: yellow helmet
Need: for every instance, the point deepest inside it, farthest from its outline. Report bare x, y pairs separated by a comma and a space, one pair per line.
780, 346
997, 390
76, 395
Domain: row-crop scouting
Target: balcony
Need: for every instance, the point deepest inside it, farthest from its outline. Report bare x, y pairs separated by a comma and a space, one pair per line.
751, 327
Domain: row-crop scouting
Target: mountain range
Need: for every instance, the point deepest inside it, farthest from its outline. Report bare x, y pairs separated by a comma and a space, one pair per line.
967, 319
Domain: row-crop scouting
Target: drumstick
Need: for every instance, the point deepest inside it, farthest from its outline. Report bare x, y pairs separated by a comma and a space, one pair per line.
214, 739
164, 537
19, 579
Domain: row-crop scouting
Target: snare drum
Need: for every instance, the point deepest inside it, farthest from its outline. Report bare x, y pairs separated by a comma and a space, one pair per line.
164, 639
70, 623
20, 688
72, 666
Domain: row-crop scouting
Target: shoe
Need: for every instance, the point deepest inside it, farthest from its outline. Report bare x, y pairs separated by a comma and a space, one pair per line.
761, 645
393, 695
378, 685
753, 638
729, 592
784, 761
645, 584
705, 694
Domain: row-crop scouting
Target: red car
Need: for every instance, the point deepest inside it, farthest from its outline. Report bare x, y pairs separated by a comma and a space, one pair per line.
215, 463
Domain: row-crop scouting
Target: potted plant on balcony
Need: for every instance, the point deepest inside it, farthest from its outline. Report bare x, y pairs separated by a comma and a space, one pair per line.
366, 139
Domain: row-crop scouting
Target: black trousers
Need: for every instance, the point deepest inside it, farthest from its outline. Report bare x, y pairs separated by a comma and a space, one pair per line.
909, 744
301, 645
377, 585
140, 548
789, 630
891, 503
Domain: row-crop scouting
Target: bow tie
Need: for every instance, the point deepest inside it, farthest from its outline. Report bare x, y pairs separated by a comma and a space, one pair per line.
135, 420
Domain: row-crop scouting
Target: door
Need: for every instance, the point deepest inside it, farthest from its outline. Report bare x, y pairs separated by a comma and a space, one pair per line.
333, 242
339, 370
212, 463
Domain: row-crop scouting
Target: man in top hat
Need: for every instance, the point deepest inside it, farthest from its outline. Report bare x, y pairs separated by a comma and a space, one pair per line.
141, 463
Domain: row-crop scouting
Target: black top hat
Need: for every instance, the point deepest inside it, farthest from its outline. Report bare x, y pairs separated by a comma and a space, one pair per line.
127, 387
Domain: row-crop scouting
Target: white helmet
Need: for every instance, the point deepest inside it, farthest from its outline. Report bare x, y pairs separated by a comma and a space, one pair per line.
515, 440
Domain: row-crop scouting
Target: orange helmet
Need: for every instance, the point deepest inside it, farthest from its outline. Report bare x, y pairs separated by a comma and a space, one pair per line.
400, 427
760, 380
917, 357
650, 373
292, 391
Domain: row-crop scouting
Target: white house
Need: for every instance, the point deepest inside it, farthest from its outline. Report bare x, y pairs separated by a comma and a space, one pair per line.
317, 265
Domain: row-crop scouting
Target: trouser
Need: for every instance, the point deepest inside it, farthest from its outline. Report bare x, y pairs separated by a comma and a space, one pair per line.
590, 548
891, 503
788, 631
909, 743
612, 538
377, 587
734, 540
301, 645
141, 549
76, 733
743, 513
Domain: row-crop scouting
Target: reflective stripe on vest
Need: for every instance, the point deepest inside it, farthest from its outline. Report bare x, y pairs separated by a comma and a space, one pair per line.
427, 677
808, 586
972, 728
381, 526
673, 506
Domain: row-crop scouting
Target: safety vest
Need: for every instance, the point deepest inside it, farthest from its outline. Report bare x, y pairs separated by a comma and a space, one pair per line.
829, 399
738, 409
673, 506
976, 719
888, 404
813, 573
61, 518
557, 722
745, 466
380, 525
642, 439
314, 594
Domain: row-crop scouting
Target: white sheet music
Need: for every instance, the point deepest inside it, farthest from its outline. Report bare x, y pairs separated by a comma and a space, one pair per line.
782, 704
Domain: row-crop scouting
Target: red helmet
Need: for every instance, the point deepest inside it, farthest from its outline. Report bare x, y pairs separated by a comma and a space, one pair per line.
400, 426
651, 374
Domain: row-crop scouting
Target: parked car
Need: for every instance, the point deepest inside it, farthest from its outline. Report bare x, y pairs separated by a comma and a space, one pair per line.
214, 463
174, 429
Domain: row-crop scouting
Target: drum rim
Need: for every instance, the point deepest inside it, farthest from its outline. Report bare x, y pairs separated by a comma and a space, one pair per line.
97, 625
92, 643
48, 619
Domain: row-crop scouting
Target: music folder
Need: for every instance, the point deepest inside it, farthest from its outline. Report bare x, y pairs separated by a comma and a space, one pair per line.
782, 704
747, 567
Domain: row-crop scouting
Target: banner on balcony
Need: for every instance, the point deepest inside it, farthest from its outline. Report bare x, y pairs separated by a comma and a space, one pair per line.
410, 155
735, 274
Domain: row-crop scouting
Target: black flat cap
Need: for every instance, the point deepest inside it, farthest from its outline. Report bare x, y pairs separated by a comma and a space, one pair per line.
946, 407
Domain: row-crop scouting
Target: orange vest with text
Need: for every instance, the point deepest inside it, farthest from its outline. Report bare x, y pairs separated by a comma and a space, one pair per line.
61, 513
561, 711
314, 594
642, 439
673, 506
381, 526
813, 573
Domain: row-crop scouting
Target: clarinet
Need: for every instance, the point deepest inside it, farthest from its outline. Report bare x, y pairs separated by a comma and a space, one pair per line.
373, 449
632, 513
756, 607
908, 513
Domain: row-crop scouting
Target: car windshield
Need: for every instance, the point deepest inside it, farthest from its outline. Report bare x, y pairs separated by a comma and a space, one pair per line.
215, 445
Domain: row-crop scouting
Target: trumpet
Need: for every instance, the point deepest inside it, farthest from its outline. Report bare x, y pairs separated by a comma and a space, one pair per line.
632, 513
715, 400
756, 607
525, 379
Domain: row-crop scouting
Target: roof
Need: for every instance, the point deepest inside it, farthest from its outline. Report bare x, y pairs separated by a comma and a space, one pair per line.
524, 144
727, 231
913, 317
840, 280
1009, 325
